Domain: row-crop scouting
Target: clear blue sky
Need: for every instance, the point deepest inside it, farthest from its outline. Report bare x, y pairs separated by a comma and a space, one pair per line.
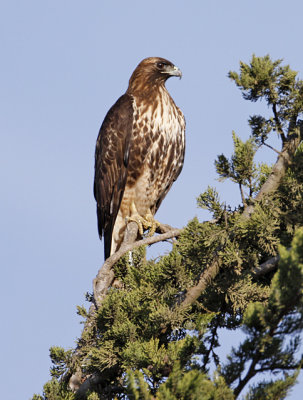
63, 64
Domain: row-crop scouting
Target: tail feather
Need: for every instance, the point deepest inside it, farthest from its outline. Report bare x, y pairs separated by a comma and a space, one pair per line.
107, 244
105, 232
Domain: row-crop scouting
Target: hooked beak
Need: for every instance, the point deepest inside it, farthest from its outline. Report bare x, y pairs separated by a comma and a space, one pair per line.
173, 71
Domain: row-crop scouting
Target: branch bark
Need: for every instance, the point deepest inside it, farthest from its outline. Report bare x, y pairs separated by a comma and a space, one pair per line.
266, 267
206, 277
105, 275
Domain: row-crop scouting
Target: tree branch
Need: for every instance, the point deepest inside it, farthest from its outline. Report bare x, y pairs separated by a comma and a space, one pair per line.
250, 374
280, 167
272, 148
278, 123
206, 277
214, 335
101, 283
291, 367
266, 267
105, 274
94, 381
295, 134
242, 195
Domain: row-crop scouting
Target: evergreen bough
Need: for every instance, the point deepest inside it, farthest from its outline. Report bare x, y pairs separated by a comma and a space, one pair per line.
155, 333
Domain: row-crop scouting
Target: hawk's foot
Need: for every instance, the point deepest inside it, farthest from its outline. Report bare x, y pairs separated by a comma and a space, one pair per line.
139, 221
146, 222
151, 223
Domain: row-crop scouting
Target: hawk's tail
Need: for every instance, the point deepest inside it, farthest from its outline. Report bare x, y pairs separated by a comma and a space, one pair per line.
107, 244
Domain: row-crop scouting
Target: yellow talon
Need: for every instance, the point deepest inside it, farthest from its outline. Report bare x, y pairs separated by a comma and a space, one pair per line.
146, 222
151, 223
136, 218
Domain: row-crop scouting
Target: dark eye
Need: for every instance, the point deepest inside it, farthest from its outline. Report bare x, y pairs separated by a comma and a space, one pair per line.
160, 65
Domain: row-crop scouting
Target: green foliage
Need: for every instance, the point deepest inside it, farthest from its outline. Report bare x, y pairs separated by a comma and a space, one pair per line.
268, 326
287, 284
130, 318
260, 127
81, 310
266, 79
93, 396
181, 385
278, 86
193, 385
137, 387
54, 390
210, 201
143, 341
61, 360
291, 198
273, 390
240, 168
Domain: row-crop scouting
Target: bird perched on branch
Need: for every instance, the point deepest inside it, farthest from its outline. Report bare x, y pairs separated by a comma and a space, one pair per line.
139, 153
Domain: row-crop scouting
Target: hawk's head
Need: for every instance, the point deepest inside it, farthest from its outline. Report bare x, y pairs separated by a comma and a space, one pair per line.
152, 71
159, 68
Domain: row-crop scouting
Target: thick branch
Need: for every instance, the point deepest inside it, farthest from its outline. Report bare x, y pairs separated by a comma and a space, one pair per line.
242, 195
205, 279
105, 275
279, 169
103, 281
94, 382
266, 267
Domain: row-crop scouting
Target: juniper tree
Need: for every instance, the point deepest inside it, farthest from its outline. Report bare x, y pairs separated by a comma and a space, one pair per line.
152, 330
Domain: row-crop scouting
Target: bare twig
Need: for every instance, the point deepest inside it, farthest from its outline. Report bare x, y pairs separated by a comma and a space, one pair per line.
214, 336
271, 147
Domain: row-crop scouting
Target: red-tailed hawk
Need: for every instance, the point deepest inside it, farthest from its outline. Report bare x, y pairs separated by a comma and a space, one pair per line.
139, 153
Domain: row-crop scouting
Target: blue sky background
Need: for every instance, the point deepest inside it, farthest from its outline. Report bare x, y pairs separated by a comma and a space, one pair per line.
63, 64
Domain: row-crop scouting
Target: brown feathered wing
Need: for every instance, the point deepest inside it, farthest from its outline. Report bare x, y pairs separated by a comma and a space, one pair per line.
111, 162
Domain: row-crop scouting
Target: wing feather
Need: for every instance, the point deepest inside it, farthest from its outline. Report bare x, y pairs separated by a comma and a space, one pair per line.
111, 165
